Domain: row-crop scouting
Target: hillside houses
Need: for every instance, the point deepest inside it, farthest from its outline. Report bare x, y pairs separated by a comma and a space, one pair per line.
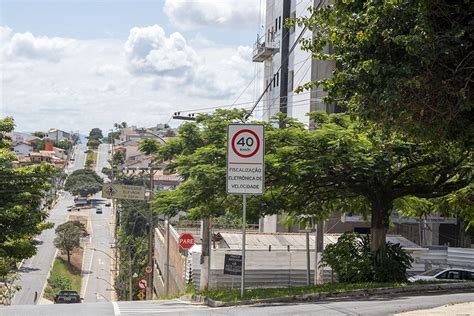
29, 148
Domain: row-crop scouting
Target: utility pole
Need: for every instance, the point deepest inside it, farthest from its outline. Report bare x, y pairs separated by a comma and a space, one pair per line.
149, 290
130, 288
167, 255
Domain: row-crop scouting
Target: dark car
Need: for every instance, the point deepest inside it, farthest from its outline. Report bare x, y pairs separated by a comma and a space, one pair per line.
67, 297
98, 210
108, 204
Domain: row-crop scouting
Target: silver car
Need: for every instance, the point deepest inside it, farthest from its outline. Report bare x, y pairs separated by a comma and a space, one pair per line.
444, 274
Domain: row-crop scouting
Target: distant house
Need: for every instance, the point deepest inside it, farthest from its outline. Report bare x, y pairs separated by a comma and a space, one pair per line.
39, 158
22, 148
60, 153
18, 137
58, 135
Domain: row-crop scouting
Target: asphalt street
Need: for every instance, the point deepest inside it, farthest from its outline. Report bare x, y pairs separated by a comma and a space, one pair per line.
382, 305
34, 271
97, 280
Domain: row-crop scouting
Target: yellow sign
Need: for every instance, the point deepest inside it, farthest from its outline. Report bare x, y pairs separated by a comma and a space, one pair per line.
120, 191
141, 296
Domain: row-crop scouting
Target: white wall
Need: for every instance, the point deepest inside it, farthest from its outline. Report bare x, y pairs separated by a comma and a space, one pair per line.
22, 149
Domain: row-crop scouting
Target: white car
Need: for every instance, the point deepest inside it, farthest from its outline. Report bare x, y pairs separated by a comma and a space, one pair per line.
444, 274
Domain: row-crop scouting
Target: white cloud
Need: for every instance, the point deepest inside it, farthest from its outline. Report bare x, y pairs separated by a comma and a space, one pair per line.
95, 86
28, 46
192, 14
149, 51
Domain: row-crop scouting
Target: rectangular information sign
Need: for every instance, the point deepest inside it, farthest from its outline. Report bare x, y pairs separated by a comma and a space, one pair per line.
245, 159
233, 264
121, 191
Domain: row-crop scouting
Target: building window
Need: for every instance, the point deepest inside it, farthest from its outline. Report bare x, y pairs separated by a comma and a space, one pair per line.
277, 79
291, 75
293, 16
276, 24
274, 79
279, 22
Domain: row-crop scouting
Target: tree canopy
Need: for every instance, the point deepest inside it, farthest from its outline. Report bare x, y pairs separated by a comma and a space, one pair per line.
403, 64
68, 237
21, 193
340, 166
95, 133
83, 182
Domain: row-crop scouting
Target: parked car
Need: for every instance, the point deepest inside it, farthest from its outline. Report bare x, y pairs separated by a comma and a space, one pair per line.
36, 241
108, 204
98, 210
67, 297
442, 274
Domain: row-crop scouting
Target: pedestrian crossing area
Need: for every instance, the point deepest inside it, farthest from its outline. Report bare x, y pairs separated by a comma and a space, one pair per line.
155, 307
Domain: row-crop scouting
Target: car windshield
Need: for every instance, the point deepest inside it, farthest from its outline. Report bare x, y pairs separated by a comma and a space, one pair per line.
432, 272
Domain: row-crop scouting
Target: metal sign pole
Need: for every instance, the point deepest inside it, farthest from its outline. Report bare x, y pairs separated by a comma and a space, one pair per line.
244, 206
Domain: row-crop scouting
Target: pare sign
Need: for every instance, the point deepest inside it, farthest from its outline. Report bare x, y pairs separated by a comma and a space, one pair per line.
245, 159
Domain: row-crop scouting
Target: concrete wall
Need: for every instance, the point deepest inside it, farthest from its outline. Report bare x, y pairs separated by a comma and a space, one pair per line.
177, 263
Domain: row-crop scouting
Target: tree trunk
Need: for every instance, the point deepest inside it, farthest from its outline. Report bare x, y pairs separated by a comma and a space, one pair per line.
68, 257
379, 226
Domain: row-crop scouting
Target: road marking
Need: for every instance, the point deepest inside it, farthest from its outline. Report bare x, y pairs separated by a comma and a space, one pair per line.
92, 256
116, 308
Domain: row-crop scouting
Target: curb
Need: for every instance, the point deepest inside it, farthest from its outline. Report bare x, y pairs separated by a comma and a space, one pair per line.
322, 296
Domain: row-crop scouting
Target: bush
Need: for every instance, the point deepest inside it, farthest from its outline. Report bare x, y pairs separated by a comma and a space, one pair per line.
352, 261
60, 283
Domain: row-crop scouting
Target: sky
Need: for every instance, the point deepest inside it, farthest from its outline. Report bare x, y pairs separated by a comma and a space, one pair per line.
79, 64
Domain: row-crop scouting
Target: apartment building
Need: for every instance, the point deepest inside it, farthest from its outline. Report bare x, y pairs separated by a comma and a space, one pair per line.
287, 65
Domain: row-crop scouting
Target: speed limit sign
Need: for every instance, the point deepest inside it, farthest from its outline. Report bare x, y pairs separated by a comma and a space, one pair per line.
245, 159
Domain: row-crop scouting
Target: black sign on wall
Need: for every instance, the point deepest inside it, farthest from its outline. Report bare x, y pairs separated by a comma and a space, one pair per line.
233, 264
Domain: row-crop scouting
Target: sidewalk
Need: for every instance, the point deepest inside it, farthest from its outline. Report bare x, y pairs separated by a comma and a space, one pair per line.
463, 309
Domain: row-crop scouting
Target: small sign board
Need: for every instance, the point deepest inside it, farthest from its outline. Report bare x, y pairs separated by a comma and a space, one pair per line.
233, 264
121, 191
148, 269
186, 241
245, 159
141, 295
142, 284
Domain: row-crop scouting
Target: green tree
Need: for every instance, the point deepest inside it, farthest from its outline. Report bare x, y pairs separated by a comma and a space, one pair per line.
404, 64
39, 134
148, 146
118, 158
340, 166
95, 133
93, 143
65, 144
83, 182
21, 193
68, 237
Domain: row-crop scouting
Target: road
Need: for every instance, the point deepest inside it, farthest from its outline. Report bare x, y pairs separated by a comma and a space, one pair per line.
97, 277
382, 305
34, 271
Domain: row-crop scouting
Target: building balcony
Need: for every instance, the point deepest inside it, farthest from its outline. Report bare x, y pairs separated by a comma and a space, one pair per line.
263, 51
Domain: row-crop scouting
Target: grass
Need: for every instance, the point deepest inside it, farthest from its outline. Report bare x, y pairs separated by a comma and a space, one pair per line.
232, 295
62, 271
91, 159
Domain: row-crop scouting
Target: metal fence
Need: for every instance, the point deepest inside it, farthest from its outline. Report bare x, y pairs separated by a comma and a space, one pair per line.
263, 268
426, 258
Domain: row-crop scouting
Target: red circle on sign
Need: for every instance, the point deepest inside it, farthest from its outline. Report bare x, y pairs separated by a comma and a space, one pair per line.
142, 284
186, 241
256, 147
